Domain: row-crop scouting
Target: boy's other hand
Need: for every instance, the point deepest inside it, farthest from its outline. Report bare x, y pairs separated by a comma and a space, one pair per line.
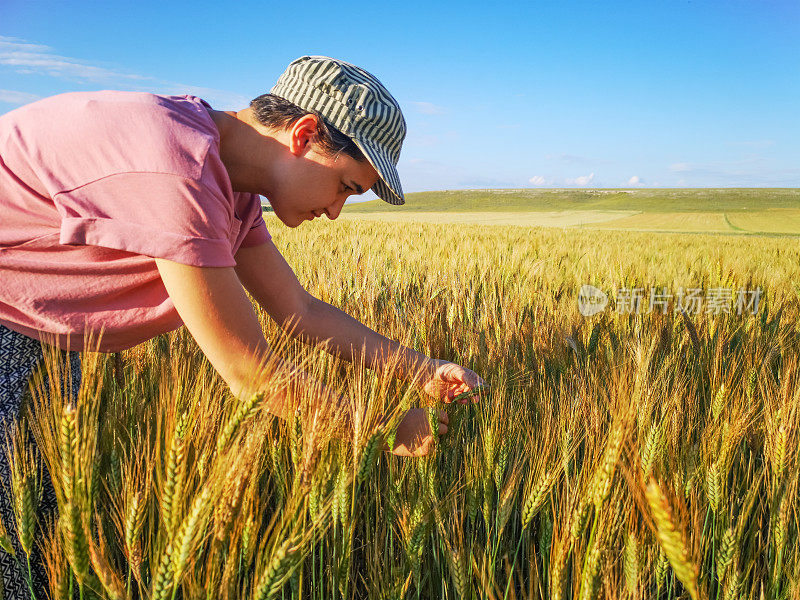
414, 437
446, 380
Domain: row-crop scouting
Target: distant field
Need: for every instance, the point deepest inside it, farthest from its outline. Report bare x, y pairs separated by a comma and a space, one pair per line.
677, 221
770, 221
639, 200
731, 211
562, 218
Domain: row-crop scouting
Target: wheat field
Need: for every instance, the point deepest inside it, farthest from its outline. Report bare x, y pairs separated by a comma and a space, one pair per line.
622, 455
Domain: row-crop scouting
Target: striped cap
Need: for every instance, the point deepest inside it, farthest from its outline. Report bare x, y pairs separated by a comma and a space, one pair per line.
358, 105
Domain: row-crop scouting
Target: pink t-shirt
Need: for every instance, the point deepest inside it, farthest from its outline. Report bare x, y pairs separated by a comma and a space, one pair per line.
93, 186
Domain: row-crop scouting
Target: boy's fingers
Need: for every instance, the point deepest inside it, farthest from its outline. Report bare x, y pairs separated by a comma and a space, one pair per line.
444, 417
442, 428
471, 395
425, 448
472, 380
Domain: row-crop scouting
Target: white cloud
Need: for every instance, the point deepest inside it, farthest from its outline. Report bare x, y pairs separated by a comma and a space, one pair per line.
680, 167
537, 180
581, 181
428, 108
32, 58
634, 180
26, 57
20, 44
17, 97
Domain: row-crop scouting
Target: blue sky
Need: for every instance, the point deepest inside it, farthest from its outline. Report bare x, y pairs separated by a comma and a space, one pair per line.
654, 93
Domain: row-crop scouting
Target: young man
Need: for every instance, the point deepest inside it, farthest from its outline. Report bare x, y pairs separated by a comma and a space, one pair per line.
135, 214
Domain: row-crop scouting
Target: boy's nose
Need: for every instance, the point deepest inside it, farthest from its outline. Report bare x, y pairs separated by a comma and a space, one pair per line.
334, 209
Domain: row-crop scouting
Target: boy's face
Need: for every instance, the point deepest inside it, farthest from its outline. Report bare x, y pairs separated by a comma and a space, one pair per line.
310, 183
317, 185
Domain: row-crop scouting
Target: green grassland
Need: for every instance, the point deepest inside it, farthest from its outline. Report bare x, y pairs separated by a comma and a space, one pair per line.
724, 210
645, 200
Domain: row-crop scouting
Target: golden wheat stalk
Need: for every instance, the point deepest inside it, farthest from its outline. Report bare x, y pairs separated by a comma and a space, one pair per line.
593, 558
174, 476
672, 538
134, 520
277, 569
369, 455
26, 490
102, 567
243, 412
604, 475
632, 562
74, 512
57, 566
725, 552
536, 496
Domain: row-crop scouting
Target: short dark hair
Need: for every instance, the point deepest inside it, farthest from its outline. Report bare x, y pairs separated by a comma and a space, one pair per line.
278, 113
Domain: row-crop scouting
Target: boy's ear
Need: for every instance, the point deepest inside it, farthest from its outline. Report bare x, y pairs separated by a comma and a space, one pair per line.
303, 133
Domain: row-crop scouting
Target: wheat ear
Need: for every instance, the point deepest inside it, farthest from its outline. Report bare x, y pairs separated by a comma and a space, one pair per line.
278, 569
70, 520
672, 538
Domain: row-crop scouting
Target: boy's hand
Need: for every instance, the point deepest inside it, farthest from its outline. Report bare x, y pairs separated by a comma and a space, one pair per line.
414, 438
447, 380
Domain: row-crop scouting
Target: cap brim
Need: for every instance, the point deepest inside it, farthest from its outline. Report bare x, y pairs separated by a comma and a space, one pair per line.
388, 187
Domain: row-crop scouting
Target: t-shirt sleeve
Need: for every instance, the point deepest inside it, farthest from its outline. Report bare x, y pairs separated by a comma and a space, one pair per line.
160, 215
258, 233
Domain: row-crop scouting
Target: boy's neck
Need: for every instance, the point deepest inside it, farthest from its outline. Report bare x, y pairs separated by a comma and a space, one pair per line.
247, 150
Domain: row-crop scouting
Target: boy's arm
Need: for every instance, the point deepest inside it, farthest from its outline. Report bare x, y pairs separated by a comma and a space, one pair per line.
216, 311
268, 277
220, 317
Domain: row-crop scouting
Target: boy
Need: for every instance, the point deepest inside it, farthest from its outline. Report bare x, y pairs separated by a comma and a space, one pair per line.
135, 214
